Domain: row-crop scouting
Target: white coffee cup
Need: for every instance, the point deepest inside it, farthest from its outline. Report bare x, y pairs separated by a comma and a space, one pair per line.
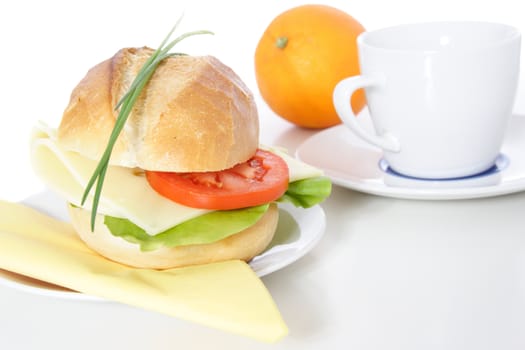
440, 95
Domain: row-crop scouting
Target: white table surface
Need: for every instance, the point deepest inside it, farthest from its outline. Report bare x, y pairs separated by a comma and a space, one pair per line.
388, 274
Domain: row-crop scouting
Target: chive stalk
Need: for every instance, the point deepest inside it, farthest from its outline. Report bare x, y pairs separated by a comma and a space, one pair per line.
125, 105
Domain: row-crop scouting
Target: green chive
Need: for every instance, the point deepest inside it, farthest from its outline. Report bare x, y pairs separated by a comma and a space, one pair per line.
125, 104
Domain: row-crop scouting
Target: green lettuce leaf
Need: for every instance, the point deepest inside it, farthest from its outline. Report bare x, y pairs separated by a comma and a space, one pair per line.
308, 192
216, 225
207, 228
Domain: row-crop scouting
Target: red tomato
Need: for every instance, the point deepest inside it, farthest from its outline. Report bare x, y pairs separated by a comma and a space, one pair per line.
261, 179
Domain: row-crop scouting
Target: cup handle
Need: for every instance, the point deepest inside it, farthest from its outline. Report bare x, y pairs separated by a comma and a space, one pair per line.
341, 98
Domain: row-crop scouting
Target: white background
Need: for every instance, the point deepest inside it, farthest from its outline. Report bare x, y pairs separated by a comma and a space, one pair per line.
47, 47
389, 274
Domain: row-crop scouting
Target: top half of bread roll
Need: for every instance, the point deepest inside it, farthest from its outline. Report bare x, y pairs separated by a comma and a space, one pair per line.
195, 114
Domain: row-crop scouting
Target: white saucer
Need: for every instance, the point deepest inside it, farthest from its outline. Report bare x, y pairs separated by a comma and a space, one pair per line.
298, 231
354, 164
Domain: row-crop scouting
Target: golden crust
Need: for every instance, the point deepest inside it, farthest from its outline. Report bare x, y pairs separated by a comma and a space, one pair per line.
195, 114
243, 245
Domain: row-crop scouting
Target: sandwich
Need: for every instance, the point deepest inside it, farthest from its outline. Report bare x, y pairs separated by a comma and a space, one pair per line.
187, 181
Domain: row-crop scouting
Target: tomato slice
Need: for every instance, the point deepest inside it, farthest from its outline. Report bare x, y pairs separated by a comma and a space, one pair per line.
261, 179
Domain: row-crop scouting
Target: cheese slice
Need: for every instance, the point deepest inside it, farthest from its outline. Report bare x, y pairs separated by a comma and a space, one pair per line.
297, 169
126, 192
227, 295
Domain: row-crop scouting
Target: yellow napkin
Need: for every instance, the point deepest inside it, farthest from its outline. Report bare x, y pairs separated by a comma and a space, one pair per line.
227, 296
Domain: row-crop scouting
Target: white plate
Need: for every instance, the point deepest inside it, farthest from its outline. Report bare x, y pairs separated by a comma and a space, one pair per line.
354, 164
298, 231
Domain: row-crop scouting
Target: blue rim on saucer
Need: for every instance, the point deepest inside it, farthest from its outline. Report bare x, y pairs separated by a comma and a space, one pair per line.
500, 164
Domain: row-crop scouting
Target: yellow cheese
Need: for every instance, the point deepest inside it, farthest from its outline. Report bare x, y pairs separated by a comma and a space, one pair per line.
227, 296
126, 192
297, 169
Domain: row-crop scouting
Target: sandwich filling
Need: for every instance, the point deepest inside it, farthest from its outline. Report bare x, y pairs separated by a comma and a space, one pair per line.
133, 210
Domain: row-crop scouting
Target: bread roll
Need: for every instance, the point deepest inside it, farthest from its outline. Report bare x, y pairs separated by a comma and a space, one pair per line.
195, 114
243, 245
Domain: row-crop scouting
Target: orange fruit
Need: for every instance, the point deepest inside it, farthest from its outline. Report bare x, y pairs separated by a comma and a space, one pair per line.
301, 56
